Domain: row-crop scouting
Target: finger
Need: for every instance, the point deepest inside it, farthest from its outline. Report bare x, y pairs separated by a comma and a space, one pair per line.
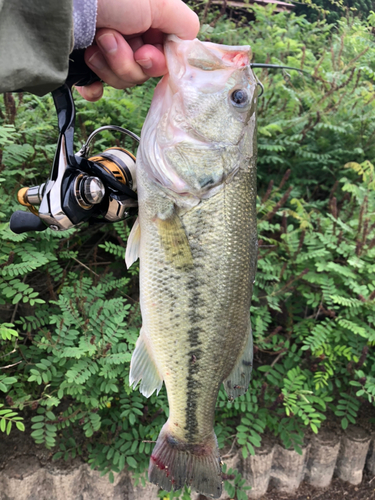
152, 60
168, 16
135, 43
153, 37
151, 56
96, 61
91, 92
119, 56
117, 69
171, 16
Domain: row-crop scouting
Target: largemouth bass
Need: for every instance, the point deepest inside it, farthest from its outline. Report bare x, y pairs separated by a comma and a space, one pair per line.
196, 238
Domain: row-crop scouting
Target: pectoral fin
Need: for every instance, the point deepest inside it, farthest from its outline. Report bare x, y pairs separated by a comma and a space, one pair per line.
238, 381
132, 246
143, 367
175, 242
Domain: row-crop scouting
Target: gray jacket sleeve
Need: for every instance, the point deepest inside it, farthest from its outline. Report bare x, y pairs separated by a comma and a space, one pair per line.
36, 37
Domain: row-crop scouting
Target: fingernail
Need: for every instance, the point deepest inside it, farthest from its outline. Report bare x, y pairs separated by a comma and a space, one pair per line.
145, 63
108, 43
97, 61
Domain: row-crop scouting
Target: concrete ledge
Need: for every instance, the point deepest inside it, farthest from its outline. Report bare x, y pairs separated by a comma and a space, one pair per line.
27, 472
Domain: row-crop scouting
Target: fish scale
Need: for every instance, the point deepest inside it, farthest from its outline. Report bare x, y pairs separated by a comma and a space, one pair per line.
198, 251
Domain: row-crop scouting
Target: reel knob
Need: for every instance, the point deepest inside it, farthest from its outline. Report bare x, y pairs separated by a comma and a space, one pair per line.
93, 190
88, 191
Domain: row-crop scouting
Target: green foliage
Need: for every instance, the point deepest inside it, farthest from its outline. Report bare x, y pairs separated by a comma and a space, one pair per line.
234, 485
7, 333
69, 309
347, 408
180, 494
310, 123
333, 10
8, 418
43, 430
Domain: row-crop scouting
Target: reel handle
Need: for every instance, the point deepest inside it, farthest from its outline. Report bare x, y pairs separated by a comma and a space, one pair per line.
79, 73
22, 222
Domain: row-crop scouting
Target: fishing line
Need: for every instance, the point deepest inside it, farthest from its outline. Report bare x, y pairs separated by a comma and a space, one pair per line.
273, 66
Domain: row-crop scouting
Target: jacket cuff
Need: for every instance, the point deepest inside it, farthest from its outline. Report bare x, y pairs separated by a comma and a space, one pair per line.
84, 20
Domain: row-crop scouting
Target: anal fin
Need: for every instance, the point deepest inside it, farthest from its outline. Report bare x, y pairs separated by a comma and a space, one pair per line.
132, 246
143, 367
238, 381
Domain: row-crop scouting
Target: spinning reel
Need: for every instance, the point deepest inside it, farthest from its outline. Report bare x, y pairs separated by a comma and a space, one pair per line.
101, 188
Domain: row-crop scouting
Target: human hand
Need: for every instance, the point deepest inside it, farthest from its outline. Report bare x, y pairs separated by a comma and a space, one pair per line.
129, 41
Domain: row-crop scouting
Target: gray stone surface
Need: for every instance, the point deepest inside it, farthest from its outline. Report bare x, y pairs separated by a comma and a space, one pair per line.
288, 468
323, 454
256, 470
352, 455
25, 479
370, 463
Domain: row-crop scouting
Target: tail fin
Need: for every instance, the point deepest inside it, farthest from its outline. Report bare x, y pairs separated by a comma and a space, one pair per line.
174, 463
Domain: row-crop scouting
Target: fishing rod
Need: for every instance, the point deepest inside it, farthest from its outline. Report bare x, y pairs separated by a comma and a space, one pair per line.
80, 188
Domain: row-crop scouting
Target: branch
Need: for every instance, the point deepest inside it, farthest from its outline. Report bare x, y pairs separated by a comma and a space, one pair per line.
86, 267
10, 366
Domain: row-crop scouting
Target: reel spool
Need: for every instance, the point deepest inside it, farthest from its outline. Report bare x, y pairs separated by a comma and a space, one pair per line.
119, 163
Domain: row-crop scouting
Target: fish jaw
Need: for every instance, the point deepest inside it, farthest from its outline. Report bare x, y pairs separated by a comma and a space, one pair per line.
192, 113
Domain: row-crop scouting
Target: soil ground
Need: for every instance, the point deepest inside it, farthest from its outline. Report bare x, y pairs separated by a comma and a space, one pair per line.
338, 490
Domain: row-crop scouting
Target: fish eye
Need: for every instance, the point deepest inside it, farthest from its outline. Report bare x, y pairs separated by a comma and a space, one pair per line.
239, 97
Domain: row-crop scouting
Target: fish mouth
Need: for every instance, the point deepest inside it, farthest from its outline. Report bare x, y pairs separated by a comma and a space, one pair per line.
185, 58
207, 55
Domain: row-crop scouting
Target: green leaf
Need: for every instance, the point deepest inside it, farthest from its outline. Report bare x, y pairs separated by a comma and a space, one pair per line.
132, 419
38, 425
38, 418
17, 298
250, 448
20, 426
121, 462
37, 434
131, 462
